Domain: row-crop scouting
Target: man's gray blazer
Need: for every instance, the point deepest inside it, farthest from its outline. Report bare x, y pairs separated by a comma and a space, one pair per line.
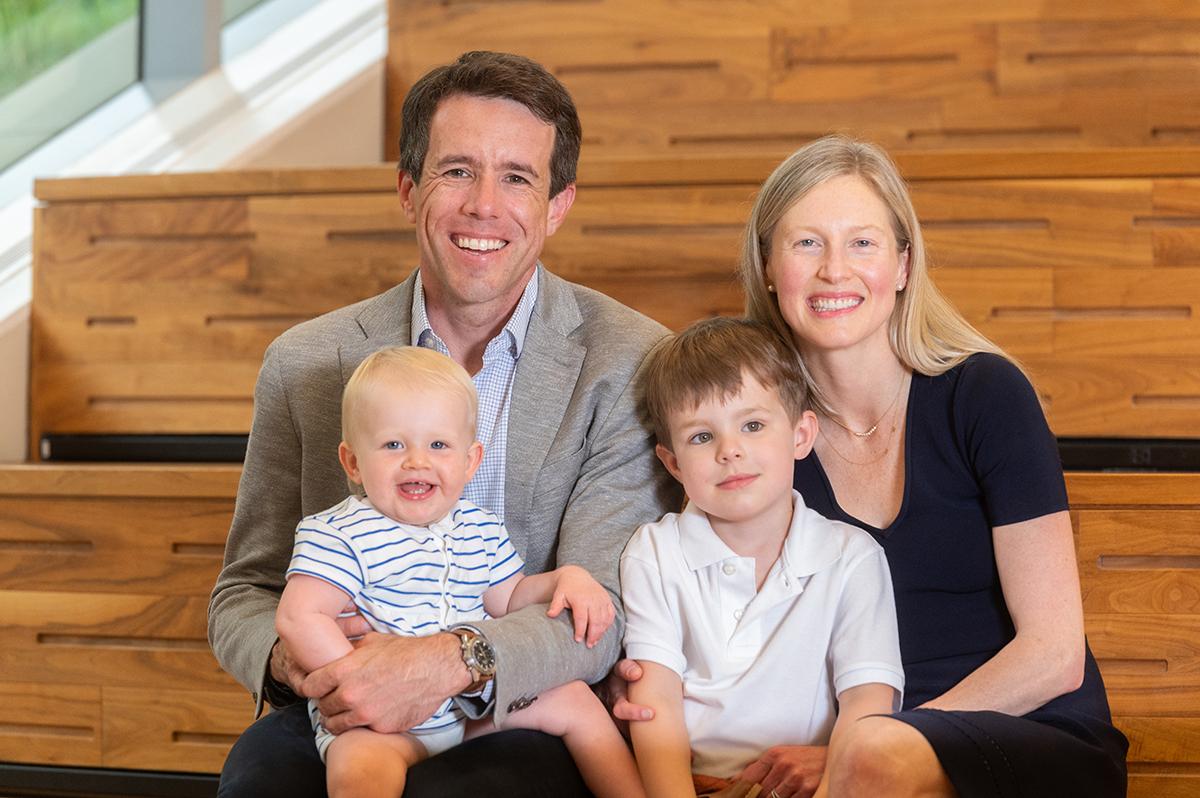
580, 472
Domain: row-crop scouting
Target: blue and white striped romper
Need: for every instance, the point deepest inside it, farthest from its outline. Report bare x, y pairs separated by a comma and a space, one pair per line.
405, 579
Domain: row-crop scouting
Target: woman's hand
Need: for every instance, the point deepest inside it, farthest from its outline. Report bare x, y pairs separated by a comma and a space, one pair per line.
787, 771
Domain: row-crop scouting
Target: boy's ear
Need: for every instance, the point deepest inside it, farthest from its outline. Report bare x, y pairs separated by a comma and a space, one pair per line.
474, 458
806, 433
668, 459
349, 462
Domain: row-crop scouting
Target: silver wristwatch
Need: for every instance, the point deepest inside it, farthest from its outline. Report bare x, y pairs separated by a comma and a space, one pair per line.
479, 657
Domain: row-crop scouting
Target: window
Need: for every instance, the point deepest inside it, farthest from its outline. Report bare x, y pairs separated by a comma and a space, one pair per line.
60, 59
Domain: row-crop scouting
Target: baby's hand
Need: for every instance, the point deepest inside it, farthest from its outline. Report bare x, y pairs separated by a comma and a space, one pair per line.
591, 608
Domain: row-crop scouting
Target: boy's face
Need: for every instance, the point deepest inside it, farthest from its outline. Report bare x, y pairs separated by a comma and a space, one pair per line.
735, 458
411, 449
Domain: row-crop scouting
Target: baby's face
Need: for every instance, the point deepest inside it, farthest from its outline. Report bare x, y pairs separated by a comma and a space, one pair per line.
412, 450
735, 457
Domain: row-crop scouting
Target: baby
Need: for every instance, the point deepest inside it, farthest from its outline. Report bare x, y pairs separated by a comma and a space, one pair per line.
415, 560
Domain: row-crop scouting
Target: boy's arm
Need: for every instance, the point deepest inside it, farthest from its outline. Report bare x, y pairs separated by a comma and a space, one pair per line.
854, 703
306, 621
617, 486
664, 755
569, 587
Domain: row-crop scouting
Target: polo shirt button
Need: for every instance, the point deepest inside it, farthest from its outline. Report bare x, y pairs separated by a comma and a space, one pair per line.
737, 614
729, 568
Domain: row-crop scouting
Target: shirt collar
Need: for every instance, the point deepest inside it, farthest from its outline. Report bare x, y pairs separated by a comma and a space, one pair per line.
808, 548
515, 328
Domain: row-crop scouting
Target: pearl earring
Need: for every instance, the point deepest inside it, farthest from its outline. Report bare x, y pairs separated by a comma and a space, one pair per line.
770, 288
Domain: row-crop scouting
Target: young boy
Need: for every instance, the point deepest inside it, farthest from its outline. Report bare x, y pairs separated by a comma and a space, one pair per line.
416, 559
757, 622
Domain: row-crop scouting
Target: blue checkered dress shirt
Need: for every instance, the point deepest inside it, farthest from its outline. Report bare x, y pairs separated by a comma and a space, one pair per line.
494, 384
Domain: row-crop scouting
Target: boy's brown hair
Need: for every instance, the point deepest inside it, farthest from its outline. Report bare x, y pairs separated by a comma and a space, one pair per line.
710, 359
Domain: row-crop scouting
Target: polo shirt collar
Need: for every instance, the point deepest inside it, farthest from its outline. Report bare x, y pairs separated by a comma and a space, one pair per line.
515, 328
808, 548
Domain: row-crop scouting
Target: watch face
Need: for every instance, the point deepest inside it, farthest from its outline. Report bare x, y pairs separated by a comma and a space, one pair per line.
485, 657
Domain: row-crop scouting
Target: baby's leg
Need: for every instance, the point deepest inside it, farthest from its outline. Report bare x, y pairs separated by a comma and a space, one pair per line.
361, 763
574, 713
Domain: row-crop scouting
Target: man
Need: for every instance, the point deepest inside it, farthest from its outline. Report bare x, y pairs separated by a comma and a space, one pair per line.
489, 146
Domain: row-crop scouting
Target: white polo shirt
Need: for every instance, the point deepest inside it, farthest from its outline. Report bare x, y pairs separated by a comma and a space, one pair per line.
760, 669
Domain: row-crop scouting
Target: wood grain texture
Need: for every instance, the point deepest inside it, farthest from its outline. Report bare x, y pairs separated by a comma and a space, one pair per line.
911, 74
150, 325
50, 724
118, 673
176, 729
105, 573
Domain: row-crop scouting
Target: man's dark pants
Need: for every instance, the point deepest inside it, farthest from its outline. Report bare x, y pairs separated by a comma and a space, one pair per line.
276, 757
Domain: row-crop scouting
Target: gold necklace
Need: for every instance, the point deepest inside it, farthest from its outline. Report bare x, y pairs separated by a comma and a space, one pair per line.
834, 416
872, 461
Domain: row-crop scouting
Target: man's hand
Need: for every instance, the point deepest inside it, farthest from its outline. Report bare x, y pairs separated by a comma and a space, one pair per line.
285, 670
616, 692
789, 771
388, 683
591, 607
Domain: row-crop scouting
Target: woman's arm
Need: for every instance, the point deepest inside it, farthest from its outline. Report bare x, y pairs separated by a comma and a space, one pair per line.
306, 621
1040, 580
664, 755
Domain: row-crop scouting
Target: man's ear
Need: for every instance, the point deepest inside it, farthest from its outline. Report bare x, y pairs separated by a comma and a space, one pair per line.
669, 460
349, 462
560, 203
806, 433
404, 186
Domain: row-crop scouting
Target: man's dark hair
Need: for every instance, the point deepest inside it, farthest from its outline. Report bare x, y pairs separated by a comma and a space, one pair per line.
494, 75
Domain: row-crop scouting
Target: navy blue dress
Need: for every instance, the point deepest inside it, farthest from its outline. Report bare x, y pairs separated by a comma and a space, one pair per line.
979, 454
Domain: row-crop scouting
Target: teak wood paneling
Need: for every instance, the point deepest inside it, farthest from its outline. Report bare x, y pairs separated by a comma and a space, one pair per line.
105, 573
688, 76
153, 302
112, 669
1138, 547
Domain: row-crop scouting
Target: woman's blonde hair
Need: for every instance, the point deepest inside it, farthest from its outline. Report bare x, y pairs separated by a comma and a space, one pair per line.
927, 334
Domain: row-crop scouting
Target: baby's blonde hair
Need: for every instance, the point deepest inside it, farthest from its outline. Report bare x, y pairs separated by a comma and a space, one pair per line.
417, 367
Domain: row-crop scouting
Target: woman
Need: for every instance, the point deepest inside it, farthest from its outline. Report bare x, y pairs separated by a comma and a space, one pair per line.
932, 440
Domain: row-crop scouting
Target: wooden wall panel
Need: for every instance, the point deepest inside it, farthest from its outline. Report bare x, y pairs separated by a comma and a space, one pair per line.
50, 724
1093, 280
179, 730
105, 573
1138, 547
678, 75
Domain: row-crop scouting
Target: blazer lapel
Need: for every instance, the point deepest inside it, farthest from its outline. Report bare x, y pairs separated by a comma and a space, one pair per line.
385, 320
544, 383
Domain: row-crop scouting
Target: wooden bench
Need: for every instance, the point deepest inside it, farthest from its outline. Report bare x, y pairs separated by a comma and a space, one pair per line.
105, 572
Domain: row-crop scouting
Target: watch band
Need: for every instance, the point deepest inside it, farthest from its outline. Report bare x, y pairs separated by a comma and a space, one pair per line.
477, 656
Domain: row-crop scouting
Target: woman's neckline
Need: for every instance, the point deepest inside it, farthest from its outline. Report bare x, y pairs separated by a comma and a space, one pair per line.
884, 531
